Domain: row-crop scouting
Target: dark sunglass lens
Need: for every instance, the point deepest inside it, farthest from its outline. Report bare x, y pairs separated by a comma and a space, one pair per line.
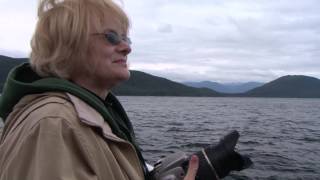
112, 38
128, 40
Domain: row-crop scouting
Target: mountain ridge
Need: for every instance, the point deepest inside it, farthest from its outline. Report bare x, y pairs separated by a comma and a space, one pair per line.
158, 86
143, 84
290, 86
225, 87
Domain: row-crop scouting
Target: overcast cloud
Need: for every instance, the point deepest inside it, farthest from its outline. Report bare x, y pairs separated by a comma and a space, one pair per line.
193, 40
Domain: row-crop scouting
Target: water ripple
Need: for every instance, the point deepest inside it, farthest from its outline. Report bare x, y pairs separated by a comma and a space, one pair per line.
281, 135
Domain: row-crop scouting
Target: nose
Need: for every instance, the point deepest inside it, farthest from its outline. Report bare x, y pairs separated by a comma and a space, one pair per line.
124, 48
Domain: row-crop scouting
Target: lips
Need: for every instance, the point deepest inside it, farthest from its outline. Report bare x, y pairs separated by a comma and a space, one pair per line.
120, 62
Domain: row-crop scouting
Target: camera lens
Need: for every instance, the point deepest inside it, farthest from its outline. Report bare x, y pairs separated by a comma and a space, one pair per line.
217, 161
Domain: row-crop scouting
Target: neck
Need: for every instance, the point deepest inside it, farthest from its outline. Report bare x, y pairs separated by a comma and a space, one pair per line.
100, 91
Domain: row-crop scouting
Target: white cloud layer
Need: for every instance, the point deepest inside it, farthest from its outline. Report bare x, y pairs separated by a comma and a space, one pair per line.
192, 40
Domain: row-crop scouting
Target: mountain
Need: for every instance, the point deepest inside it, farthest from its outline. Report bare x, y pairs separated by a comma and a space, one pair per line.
140, 84
291, 86
225, 87
143, 84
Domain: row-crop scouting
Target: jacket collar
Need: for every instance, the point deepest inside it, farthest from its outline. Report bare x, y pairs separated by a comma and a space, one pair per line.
91, 117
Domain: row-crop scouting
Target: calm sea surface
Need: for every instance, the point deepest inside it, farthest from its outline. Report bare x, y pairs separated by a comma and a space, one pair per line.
282, 136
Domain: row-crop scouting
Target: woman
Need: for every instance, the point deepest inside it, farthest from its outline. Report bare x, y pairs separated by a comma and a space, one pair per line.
61, 121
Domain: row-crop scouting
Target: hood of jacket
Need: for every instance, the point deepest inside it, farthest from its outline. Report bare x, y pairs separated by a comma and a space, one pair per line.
22, 80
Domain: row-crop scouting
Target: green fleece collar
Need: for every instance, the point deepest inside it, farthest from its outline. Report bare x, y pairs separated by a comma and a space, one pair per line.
22, 80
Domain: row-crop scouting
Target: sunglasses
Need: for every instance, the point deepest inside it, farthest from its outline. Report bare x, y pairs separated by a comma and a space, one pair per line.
114, 39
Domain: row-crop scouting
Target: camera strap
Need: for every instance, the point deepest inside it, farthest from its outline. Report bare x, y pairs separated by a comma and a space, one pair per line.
211, 166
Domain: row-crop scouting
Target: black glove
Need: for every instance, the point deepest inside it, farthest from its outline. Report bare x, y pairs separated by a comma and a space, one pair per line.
215, 161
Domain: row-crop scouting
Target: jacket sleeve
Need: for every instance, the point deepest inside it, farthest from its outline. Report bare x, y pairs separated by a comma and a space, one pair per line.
51, 150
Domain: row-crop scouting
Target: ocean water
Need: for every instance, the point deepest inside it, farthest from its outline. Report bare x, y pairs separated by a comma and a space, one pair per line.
282, 136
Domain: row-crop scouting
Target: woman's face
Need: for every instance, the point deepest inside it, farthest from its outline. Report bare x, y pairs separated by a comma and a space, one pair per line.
107, 61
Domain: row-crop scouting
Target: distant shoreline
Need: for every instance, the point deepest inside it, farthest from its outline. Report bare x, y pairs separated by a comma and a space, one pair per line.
144, 84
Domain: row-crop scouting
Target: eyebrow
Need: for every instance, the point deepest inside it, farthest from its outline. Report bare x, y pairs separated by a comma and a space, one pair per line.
114, 31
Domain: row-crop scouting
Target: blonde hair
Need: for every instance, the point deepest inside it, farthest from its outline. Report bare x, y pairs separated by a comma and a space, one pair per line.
60, 41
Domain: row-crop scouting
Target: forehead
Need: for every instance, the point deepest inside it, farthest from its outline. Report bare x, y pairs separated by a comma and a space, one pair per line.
113, 24
109, 21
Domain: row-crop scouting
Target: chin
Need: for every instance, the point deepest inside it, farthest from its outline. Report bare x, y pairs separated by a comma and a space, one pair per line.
125, 75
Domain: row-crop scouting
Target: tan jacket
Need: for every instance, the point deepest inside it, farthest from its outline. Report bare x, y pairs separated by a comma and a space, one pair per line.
56, 136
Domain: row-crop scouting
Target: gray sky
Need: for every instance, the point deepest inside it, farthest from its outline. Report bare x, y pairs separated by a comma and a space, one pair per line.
194, 40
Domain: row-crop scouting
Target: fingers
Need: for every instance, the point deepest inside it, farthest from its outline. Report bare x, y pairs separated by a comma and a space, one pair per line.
193, 168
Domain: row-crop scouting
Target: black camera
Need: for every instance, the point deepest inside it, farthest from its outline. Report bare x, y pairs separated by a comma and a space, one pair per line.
215, 161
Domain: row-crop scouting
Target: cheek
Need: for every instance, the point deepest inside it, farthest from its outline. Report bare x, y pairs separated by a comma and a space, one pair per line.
103, 51
103, 60
99, 56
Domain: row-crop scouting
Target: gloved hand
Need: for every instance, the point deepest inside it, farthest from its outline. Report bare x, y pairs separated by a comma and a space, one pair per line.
212, 163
